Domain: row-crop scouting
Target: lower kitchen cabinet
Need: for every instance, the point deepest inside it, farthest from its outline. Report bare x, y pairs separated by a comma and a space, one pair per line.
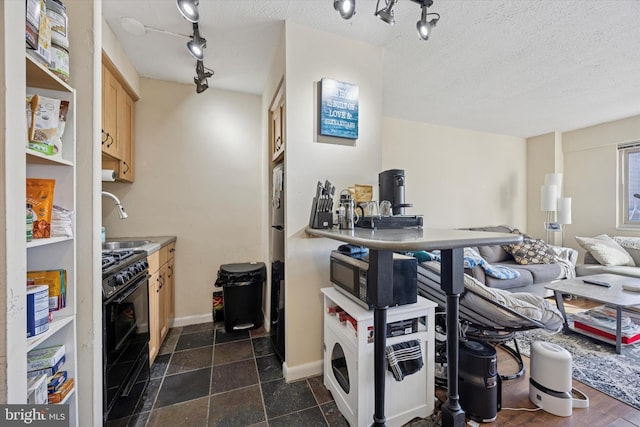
161, 302
154, 316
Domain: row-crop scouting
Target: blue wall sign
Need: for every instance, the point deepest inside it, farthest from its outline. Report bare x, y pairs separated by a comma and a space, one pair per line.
339, 109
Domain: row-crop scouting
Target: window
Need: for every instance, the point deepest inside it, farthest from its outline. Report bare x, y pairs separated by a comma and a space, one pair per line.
629, 184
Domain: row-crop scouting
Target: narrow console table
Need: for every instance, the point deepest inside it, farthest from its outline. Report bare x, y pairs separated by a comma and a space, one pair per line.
382, 244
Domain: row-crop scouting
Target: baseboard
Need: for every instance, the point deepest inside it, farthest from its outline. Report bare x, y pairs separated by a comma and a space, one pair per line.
302, 371
191, 320
202, 318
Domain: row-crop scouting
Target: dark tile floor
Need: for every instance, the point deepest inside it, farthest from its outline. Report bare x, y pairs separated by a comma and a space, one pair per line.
204, 376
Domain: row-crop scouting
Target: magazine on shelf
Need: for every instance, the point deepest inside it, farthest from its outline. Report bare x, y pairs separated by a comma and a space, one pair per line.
602, 321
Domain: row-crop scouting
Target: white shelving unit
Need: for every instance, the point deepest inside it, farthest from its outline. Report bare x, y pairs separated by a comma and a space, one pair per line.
51, 253
412, 397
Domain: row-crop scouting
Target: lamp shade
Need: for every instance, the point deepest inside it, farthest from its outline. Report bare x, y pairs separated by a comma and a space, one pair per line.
554, 179
549, 197
564, 210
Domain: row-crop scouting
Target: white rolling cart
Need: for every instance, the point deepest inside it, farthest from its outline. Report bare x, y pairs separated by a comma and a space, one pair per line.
349, 360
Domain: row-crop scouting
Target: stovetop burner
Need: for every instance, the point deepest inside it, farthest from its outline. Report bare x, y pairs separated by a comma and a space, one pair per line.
121, 268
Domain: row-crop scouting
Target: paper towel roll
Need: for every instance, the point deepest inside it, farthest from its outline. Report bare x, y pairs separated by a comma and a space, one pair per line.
108, 175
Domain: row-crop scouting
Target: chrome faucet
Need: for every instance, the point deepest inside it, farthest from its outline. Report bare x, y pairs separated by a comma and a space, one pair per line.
121, 212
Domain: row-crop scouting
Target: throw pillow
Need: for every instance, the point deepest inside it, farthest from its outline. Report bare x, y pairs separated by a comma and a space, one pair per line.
532, 251
606, 250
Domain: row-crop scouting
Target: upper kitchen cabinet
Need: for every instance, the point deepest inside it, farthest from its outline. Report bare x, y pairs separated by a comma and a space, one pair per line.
118, 123
110, 89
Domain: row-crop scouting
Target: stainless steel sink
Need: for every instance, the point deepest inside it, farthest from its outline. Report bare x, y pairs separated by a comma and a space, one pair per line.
125, 244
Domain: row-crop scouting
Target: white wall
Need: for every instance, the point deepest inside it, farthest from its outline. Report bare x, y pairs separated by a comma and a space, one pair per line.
112, 48
199, 176
541, 156
457, 177
310, 56
590, 177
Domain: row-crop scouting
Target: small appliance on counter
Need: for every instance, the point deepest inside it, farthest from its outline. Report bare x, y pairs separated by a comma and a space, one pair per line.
348, 273
391, 185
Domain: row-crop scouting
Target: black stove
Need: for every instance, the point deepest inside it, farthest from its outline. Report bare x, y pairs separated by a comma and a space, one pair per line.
125, 331
120, 269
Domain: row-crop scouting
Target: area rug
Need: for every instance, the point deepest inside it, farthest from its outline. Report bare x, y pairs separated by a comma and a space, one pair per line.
596, 363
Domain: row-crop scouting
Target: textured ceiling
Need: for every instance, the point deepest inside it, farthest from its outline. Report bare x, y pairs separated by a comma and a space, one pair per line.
515, 67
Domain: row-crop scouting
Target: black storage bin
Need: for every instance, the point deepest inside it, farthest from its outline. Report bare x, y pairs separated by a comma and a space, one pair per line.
242, 292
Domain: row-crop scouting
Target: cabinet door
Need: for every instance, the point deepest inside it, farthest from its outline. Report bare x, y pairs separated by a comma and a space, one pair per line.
110, 89
170, 292
154, 316
126, 120
162, 303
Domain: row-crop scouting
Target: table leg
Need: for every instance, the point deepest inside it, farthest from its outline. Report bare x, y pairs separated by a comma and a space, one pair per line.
380, 294
560, 305
618, 329
452, 283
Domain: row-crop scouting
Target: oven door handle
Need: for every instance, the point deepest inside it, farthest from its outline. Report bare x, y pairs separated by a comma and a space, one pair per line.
134, 377
131, 289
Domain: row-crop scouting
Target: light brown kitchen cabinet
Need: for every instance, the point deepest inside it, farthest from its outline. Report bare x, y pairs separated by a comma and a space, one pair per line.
126, 134
118, 123
170, 292
154, 316
161, 307
110, 89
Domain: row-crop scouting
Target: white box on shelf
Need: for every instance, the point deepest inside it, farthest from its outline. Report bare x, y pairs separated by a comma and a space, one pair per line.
37, 390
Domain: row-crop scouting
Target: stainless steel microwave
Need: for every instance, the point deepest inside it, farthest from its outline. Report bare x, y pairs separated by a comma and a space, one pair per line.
348, 273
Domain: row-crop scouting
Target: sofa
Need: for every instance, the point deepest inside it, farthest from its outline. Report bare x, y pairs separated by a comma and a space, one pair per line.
613, 255
559, 263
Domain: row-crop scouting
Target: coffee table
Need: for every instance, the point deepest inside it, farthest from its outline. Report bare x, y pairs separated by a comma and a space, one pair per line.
614, 296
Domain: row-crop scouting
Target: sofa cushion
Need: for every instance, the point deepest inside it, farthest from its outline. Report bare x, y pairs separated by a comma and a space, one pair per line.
622, 270
531, 251
631, 245
494, 253
606, 250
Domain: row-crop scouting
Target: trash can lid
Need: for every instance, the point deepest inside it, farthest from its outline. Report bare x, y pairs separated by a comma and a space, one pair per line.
242, 268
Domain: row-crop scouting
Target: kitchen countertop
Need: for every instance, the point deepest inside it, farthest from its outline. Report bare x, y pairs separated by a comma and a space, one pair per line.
156, 242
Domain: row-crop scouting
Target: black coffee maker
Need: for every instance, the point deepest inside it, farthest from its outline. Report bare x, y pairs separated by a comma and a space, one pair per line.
391, 187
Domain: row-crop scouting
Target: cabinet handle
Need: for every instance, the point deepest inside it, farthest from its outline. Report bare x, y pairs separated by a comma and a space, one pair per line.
112, 140
105, 136
127, 169
172, 250
170, 271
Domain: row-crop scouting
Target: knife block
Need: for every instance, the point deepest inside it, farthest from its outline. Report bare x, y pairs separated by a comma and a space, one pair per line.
320, 219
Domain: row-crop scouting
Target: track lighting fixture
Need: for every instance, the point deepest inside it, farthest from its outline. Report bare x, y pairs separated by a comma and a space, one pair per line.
197, 44
423, 25
201, 77
347, 9
189, 9
386, 13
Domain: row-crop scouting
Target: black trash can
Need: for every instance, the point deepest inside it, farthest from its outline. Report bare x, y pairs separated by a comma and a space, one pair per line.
242, 285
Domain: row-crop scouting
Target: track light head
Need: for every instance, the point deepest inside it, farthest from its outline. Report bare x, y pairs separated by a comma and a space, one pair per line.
189, 9
197, 44
386, 13
201, 77
424, 26
347, 8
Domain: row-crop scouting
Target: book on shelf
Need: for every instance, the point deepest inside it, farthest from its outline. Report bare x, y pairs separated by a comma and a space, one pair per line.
604, 334
602, 322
